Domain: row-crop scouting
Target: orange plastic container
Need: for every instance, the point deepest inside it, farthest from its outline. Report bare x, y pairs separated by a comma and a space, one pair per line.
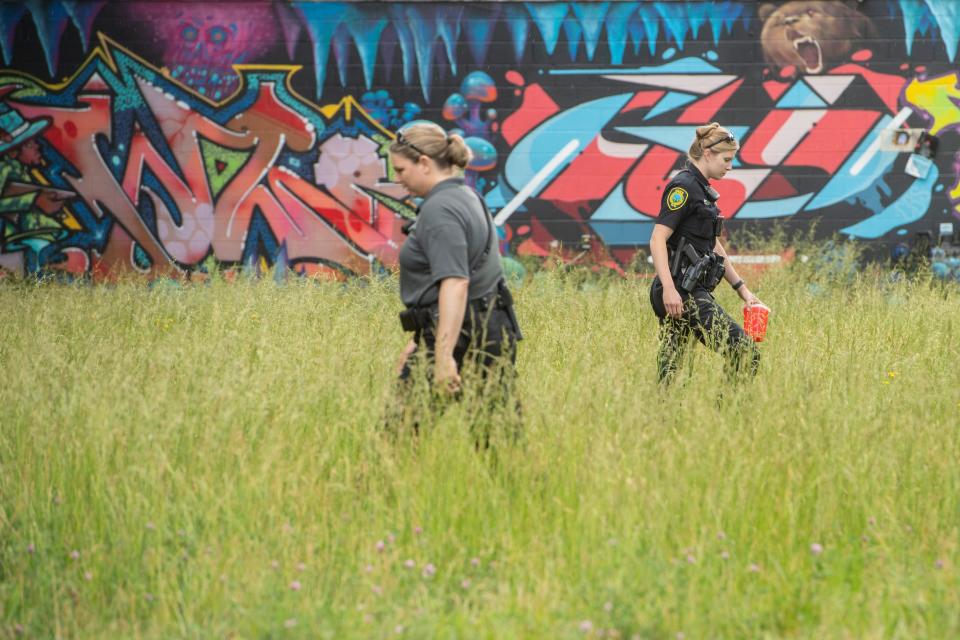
755, 321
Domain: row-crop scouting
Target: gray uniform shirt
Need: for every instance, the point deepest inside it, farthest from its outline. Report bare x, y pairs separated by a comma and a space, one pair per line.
450, 234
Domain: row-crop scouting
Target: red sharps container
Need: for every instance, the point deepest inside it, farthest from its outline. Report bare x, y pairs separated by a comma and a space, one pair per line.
755, 321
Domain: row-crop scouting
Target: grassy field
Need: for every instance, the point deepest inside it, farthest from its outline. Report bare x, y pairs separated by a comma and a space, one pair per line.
204, 462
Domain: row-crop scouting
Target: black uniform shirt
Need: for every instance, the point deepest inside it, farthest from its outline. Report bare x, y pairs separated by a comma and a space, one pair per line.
689, 208
450, 234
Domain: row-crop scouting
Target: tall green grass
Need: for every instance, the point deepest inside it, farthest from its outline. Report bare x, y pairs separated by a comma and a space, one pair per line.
205, 462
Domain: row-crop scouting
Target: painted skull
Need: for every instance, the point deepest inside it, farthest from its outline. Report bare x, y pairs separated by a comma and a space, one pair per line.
202, 41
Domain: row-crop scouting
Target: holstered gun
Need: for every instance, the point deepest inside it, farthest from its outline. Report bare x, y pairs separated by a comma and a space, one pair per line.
505, 300
705, 271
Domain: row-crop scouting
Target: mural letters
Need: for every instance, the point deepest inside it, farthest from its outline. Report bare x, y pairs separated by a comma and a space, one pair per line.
170, 138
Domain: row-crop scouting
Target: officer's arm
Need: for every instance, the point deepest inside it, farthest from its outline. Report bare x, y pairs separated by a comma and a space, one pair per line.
452, 305
672, 301
658, 249
731, 276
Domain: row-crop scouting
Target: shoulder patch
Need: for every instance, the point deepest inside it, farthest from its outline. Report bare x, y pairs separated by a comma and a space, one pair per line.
676, 198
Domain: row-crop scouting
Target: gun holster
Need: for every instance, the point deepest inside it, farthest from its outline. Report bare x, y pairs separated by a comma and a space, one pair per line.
690, 269
415, 319
505, 301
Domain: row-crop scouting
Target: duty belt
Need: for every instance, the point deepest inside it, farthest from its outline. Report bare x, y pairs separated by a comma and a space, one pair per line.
423, 318
690, 270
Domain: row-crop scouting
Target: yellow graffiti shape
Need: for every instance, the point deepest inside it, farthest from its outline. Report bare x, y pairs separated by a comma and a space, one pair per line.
939, 97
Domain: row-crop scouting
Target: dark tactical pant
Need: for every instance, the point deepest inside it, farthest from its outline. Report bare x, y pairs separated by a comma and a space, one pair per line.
486, 355
712, 326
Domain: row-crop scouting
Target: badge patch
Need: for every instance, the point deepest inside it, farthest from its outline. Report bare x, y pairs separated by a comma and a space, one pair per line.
676, 198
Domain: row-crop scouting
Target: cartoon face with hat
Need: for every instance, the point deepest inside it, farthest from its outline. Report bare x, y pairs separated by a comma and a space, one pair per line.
16, 130
29, 211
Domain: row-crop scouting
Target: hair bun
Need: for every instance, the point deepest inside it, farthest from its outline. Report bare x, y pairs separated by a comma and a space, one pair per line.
706, 130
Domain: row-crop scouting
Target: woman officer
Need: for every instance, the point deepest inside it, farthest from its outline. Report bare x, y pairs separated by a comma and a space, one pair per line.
690, 261
451, 278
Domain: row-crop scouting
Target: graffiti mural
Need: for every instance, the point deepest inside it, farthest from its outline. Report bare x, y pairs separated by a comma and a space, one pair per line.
146, 175
170, 138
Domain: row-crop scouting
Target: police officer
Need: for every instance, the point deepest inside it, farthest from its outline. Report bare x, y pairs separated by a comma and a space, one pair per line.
690, 261
451, 279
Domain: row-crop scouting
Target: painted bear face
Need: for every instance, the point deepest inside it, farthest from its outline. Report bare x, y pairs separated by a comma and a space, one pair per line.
812, 34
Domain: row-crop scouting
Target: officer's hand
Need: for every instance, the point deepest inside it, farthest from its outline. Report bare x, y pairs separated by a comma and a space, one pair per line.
405, 355
445, 374
673, 302
747, 296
